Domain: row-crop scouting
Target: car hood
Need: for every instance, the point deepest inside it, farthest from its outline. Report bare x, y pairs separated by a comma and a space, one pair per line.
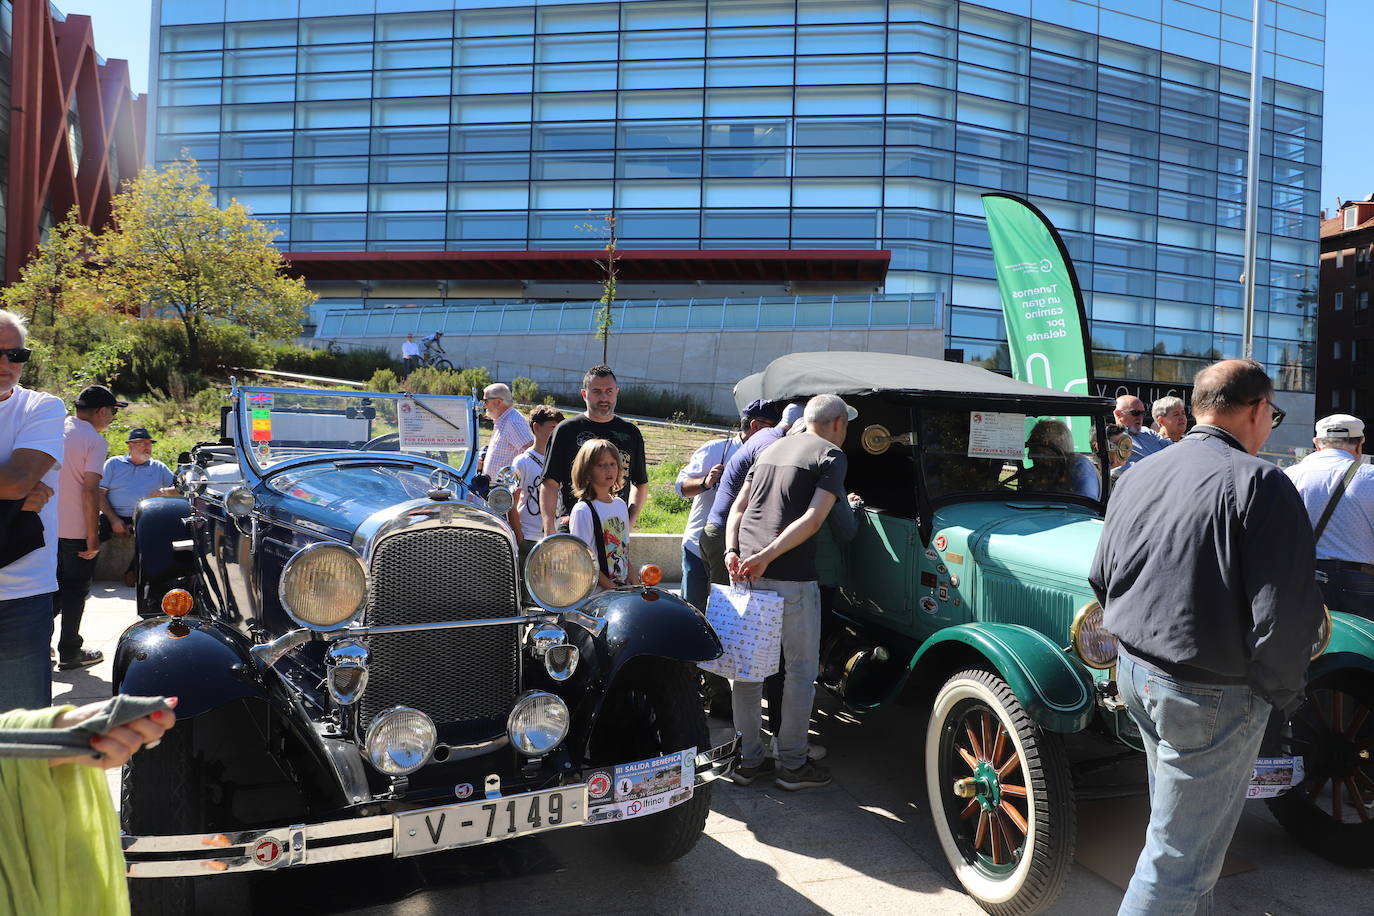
1029, 541
339, 497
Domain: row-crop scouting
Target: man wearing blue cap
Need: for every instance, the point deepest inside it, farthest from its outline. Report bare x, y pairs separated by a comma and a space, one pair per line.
126, 481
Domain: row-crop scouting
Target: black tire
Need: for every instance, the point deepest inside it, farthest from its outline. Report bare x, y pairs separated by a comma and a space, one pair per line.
162, 794
442, 364
1332, 811
1014, 857
653, 708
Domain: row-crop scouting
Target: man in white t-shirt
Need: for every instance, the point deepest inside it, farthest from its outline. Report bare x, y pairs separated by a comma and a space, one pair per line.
78, 518
529, 467
30, 456
410, 355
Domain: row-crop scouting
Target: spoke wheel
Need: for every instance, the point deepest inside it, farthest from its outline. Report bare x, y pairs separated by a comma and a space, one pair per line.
1000, 796
1332, 811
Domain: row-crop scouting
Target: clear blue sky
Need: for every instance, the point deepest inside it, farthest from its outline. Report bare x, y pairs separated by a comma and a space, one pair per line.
122, 30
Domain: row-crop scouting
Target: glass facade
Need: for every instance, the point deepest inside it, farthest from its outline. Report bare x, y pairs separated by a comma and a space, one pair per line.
479, 124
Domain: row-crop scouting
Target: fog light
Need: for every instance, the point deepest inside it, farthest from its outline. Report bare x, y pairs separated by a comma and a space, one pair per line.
400, 740
538, 723
347, 665
499, 500
561, 661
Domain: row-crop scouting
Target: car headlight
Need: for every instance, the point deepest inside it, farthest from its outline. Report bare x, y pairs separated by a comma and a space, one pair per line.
499, 500
1323, 633
560, 572
400, 740
1090, 638
323, 586
538, 723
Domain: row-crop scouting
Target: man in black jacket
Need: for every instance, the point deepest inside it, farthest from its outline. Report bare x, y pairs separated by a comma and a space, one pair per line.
1216, 606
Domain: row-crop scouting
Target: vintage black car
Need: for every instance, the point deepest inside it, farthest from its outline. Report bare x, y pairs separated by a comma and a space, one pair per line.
357, 671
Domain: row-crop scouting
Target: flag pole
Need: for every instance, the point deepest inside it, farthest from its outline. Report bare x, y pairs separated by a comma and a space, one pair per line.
1252, 186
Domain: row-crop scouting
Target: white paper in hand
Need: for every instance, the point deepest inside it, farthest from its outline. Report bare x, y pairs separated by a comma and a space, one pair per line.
749, 624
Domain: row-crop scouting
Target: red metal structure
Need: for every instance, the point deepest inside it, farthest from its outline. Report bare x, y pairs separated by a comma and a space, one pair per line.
57, 73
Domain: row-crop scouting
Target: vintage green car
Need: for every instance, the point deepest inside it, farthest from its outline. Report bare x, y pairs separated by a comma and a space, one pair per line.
965, 593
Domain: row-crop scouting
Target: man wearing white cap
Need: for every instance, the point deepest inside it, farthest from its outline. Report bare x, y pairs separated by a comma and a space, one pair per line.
1338, 490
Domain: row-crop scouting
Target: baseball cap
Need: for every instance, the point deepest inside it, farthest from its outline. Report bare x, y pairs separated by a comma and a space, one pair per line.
95, 396
761, 410
1340, 426
138, 434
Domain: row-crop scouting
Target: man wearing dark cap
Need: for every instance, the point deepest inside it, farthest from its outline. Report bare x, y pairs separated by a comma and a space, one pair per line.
1337, 488
127, 480
78, 514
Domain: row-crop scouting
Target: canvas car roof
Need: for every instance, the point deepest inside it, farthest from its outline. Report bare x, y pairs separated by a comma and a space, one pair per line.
842, 372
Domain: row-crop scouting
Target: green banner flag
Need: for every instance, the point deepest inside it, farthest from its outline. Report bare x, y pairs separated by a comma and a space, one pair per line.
1041, 302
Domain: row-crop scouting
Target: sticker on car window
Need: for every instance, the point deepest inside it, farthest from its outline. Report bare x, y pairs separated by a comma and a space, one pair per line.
262, 424
996, 435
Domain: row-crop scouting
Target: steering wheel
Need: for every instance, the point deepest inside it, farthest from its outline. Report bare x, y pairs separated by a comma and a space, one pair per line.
375, 443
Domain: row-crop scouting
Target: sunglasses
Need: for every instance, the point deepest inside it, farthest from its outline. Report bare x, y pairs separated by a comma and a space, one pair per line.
1134, 413
1278, 414
17, 354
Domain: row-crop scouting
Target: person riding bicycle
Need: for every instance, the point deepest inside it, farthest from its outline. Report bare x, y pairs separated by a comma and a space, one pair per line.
433, 343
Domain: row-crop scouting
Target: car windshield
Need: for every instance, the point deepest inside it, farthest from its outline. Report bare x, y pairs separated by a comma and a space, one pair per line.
968, 452
280, 424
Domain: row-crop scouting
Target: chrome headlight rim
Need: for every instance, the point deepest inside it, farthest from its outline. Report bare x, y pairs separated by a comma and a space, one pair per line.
528, 698
1323, 634
1076, 628
292, 563
532, 587
382, 719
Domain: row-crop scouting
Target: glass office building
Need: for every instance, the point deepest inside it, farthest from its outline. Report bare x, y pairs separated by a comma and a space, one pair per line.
427, 125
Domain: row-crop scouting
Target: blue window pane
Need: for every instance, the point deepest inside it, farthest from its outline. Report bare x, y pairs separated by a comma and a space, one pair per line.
196, 146
335, 30
664, 14
496, 225
751, 12
410, 168
193, 37
491, 167
491, 138
333, 170
772, 42
335, 227
177, 12
406, 226
415, 26
241, 172
331, 143
862, 39
395, 141
324, 86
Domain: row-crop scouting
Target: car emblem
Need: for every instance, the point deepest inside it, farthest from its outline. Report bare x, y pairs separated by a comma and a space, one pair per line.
598, 785
928, 604
940, 542
267, 852
441, 480
463, 790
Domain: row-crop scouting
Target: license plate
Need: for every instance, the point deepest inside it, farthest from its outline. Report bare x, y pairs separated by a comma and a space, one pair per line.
490, 820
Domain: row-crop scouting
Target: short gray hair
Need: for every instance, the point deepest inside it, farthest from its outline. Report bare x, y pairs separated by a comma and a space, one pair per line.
1164, 405
499, 390
825, 408
1341, 442
10, 320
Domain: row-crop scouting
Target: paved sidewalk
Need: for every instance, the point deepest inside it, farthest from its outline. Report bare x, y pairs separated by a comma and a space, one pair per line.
862, 845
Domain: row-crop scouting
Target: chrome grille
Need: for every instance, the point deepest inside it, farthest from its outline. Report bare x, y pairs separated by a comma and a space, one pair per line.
432, 574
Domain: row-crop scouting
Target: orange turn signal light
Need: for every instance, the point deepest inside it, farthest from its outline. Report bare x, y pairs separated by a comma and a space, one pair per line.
177, 603
650, 574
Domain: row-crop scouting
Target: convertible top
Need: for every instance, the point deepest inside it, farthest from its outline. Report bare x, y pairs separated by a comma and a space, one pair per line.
798, 375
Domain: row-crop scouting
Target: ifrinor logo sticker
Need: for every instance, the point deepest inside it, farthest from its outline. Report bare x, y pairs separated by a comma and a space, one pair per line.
267, 852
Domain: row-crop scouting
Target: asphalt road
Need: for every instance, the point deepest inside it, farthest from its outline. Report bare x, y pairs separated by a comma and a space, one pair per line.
862, 845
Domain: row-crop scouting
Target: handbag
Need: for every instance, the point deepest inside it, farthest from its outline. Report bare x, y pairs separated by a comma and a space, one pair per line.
749, 624
23, 531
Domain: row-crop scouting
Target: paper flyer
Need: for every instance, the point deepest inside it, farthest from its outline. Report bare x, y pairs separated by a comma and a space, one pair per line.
633, 790
420, 430
996, 435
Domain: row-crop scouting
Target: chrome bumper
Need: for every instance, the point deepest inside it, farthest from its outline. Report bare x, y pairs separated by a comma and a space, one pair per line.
203, 855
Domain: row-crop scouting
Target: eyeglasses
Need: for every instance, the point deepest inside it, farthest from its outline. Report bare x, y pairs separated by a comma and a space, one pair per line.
17, 354
1277, 420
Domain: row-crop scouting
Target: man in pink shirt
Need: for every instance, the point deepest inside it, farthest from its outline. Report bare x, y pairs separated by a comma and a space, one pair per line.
78, 515
510, 433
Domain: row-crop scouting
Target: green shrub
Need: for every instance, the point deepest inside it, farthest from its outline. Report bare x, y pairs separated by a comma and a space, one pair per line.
473, 379
383, 380
355, 364
663, 404
524, 390
434, 381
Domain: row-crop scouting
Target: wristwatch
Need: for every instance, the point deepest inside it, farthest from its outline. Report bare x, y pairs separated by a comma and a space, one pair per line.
734, 550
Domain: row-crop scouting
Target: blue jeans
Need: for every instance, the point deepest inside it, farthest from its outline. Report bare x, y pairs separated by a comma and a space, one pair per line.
696, 584
25, 669
1347, 589
801, 644
1201, 741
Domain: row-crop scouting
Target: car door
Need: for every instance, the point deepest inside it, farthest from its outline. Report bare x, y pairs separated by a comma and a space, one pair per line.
880, 569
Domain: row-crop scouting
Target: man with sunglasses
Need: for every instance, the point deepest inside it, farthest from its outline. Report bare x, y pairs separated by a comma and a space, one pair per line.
78, 518
1130, 412
1216, 608
30, 455
1338, 489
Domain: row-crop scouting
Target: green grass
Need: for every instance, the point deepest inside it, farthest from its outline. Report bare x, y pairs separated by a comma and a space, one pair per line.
666, 512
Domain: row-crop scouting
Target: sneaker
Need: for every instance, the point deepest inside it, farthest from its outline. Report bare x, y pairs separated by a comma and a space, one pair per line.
84, 658
807, 776
813, 751
744, 775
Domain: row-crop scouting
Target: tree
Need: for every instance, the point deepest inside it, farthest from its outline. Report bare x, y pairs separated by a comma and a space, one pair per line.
170, 249
59, 273
605, 317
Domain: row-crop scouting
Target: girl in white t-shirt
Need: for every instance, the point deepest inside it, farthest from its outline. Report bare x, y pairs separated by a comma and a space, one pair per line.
599, 517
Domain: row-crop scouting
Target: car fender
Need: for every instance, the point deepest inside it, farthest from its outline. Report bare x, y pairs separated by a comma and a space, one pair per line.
1054, 689
202, 663
640, 623
1351, 646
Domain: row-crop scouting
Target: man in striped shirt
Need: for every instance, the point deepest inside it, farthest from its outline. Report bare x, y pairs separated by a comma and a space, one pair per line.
510, 434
